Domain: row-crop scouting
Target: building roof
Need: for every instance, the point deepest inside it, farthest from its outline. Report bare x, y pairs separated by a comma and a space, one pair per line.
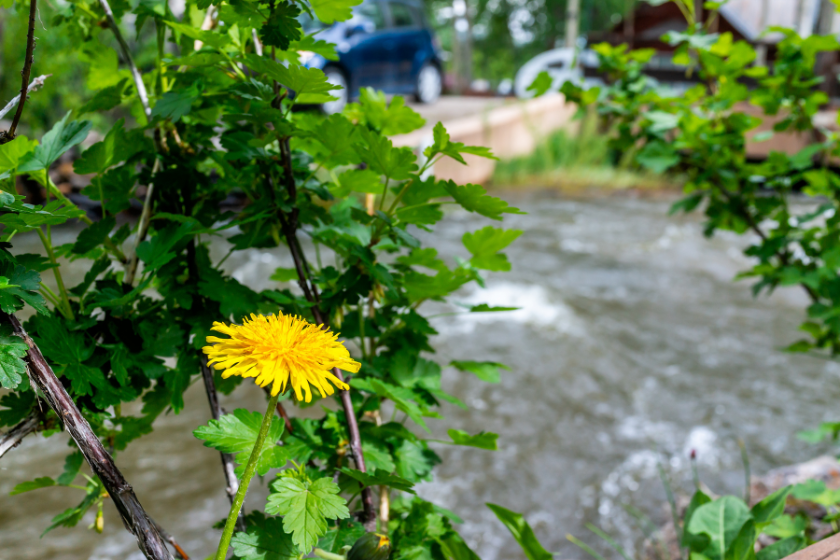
752, 17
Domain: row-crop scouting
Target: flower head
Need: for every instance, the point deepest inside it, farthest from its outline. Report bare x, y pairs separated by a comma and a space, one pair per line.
281, 349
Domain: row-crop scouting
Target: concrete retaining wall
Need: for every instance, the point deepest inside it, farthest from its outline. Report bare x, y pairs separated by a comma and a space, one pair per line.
509, 130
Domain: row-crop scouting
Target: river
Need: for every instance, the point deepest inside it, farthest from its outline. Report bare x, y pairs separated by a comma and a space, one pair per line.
632, 345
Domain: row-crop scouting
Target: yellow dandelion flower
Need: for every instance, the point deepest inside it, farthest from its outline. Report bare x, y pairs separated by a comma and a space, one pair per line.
281, 349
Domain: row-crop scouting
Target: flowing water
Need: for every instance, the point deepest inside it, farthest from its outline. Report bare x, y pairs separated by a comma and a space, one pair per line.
632, 345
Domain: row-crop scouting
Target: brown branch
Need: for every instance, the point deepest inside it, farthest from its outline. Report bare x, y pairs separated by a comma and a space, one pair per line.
134, 517
27, 67
227, 459
14, 436
290, 232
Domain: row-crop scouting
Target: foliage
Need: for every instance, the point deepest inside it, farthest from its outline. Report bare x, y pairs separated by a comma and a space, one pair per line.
224, 126
701, 135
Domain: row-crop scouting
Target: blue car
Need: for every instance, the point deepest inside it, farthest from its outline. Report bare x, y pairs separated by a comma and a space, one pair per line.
387, 45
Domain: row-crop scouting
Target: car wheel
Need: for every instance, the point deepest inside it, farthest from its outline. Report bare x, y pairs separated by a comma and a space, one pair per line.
337, 78
429, 84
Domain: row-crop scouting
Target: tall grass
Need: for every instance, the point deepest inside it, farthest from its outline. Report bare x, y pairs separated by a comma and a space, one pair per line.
569, 158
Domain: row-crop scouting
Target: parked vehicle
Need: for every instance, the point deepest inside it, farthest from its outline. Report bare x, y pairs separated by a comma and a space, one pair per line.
562, 65
388, 45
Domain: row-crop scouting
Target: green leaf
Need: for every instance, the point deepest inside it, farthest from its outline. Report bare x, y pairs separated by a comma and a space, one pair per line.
721, 521
771, 507
475, 199
389, 119
305, 507
43, 482
541, 84
357, 180
485, 244
106, 98
485, 308
413, 461
782, 548
282, 26
379, 478
743, 547
657, 156
444, 145
58, 140
522, 532
12, 153
345, 533
284, 275
697, 543
482, 440
237, 433
377, 456
309, 84
381, 156
265, 541
94, 235
83, 378
817, 492
330, 11
335, 137
175, 104
157, 251
424, 214
787, 526
72, 466
12, 367
486, 371
117, 146
20, 287
17, 406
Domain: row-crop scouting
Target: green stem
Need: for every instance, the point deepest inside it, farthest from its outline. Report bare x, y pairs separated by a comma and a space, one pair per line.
328, 555
250, 469
384, 193
65, 300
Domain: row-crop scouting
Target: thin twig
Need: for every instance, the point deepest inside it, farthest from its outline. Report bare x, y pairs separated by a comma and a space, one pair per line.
33, 85
135, 73
289, 225
171, 540
142, 227
134, 517
227, 460
13, 437
27, 67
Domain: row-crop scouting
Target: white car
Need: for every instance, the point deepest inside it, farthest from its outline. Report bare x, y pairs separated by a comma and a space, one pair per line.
562, 65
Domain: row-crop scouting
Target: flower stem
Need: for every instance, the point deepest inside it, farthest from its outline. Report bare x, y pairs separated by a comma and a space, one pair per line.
320, 553
250, 469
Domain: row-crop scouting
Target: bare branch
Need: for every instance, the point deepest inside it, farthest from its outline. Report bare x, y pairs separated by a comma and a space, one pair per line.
135, 73
134, 517
171, 540
27, 67
13, 437
227, 459
289, 225
33, 85
143, 226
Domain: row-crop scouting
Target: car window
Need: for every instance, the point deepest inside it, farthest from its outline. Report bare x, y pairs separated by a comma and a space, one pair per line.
403, 15
370, 12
